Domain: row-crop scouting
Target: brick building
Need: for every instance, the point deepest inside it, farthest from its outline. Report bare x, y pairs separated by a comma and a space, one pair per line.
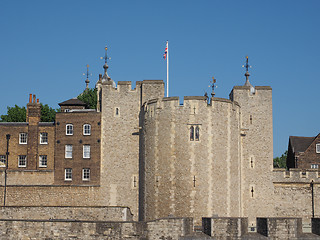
304, 152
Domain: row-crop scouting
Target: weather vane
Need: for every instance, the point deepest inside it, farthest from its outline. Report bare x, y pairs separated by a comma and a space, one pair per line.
88, 74
212, 85
247, 66
106, 58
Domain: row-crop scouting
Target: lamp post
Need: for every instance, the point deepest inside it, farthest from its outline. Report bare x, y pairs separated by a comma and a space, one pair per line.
312, 197
5, 171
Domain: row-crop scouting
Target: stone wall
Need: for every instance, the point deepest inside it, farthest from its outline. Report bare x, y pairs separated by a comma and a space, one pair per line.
67, 213
57, 229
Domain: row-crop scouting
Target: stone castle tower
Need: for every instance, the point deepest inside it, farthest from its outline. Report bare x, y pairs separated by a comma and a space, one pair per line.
202, 158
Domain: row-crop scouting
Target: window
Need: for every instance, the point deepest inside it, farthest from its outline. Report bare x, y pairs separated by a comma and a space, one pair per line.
194, 133
43, 161
22, 161
44, 138
3, 160
86, 174
318, 148
67, 110
68, 151
68, 174
86, 129
23, 138
191, 133
117, 111
69, 129
86, 151
314, 166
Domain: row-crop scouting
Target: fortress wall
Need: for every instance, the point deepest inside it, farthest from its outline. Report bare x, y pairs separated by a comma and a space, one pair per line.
16, 177
52, 196
191, 178
293, 193
256, 151
67, 213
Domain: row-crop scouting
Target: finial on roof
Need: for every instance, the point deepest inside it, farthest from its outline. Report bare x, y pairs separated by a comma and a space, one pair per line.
213, 86
87, 74
105, 66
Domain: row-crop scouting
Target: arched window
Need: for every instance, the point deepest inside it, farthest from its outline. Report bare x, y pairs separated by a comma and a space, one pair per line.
86, 129
69, 129
191, 133
197, 133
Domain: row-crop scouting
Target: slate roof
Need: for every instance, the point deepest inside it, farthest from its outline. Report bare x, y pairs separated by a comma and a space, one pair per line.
300, 144
72, 102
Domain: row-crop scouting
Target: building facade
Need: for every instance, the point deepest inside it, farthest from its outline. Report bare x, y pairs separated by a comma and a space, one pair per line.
205, 157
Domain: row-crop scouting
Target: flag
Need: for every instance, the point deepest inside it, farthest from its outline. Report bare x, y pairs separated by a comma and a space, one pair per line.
165, 52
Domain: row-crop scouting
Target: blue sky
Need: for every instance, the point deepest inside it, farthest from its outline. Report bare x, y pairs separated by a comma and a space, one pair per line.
45, 46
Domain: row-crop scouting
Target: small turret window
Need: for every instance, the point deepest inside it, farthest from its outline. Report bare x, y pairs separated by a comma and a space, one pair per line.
197, 133
194, 133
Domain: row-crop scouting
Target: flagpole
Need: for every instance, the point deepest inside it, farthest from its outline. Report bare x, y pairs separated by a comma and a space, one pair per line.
168, 69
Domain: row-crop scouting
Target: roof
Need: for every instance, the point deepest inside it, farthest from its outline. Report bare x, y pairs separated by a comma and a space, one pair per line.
300, 144
72, 102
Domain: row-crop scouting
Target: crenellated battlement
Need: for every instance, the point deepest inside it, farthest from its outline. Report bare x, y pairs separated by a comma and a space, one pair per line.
296, 176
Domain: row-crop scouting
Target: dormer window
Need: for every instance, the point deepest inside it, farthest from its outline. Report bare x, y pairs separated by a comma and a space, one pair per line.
318, 148
69, 129
67, 110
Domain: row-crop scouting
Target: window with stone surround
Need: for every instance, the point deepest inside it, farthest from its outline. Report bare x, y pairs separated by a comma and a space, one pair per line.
318, 148
43, 138
86, 151
85, 174
43, 162
3, 160
117, 112
194, 133
86, 129
69, 129
68, 174
68, 151
22, 161
23, 138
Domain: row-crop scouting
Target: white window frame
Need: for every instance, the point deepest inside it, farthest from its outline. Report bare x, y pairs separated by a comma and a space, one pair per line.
314, 166
68, 174
3, 160
86, 129
86, 174
67, 110
318, 148
69, 129
20, 159
23, 138
44, 138
43, 161
86, 151
68, 151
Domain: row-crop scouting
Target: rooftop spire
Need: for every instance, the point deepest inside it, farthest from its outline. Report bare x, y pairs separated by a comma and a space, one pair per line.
105, 66
87, 74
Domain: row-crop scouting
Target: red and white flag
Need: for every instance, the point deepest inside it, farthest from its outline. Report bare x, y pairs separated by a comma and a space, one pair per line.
165, 52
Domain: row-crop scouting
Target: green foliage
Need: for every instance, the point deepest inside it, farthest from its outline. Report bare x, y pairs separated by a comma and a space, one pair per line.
18, 114
14, 114
280, 162
48, 114
89, 96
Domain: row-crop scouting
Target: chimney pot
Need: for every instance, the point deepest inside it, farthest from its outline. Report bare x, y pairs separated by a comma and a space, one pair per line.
30, 98
34, 98
37, 100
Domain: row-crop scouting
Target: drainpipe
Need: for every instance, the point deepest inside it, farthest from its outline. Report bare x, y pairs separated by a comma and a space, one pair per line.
312, 197
5, 171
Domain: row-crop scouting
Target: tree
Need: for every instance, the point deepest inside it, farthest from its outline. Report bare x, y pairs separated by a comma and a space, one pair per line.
18, 114
48, 114
14, 114
89, 96
280, 162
